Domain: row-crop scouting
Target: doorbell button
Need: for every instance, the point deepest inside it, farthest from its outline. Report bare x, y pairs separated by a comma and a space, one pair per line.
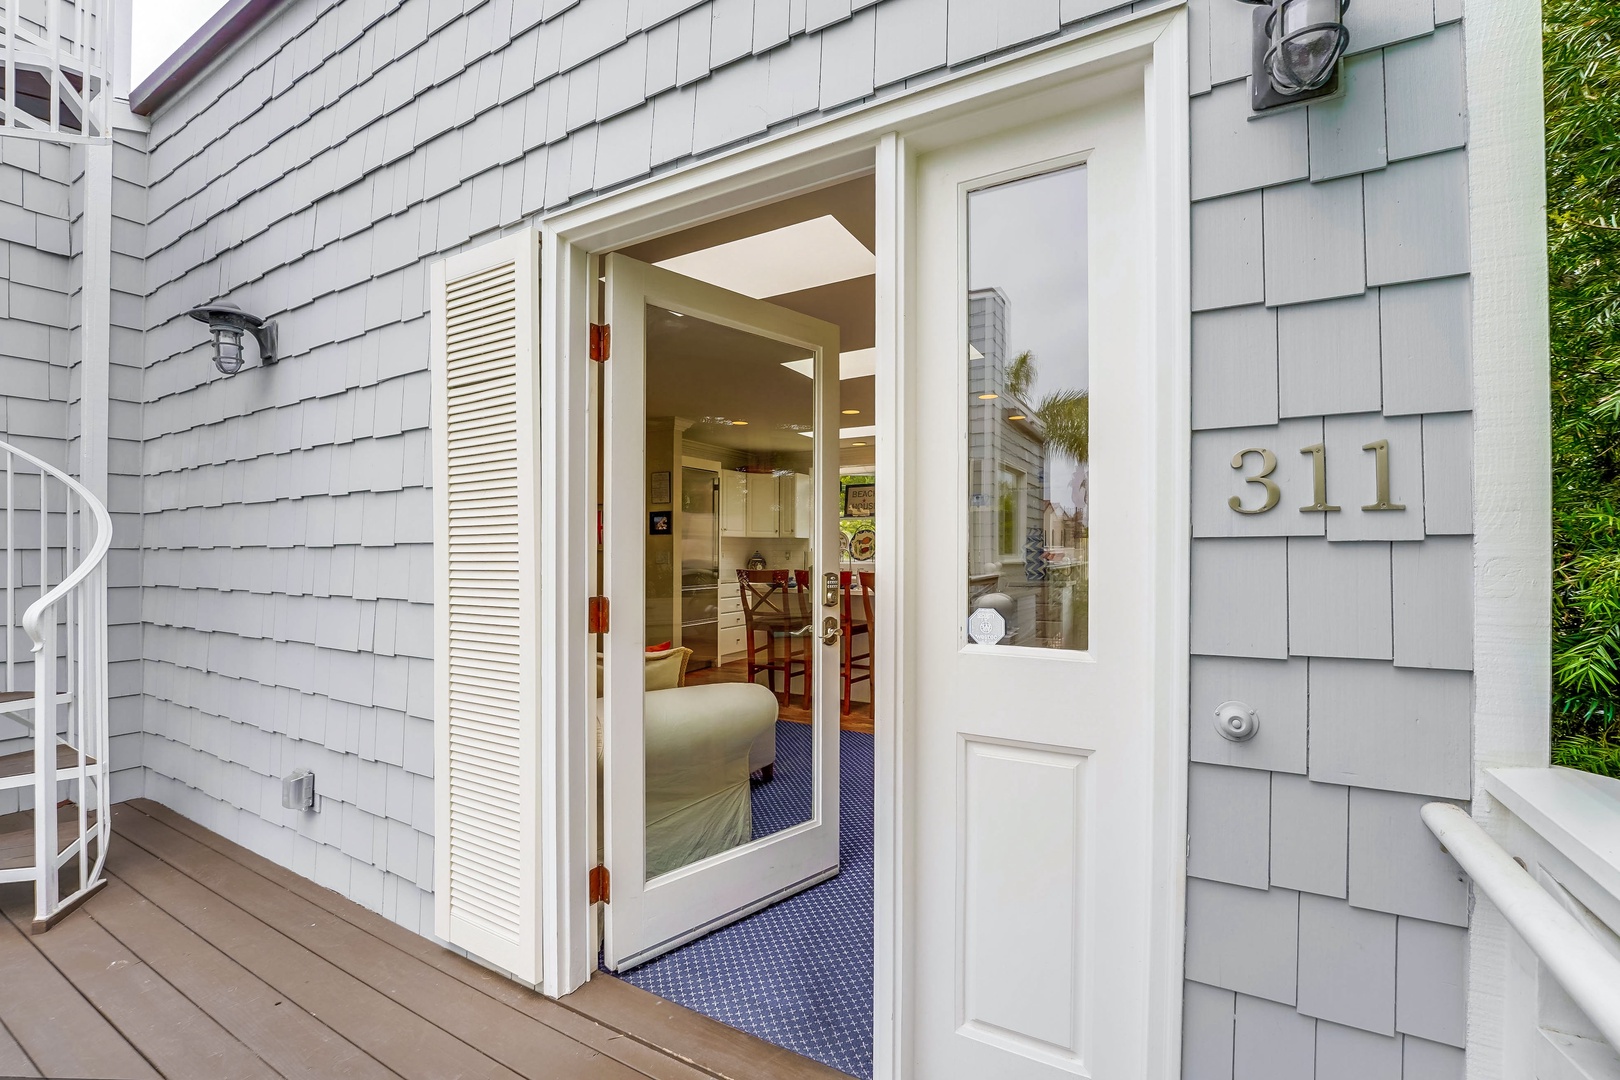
1236, 721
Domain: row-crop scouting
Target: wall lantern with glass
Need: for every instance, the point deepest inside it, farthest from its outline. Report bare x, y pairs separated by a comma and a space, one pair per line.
228, 323
1297, 48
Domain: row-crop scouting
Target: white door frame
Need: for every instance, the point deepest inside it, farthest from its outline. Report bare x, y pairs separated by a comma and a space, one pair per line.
884, 136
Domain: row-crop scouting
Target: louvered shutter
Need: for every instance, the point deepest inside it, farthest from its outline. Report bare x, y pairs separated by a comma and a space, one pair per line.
485, 327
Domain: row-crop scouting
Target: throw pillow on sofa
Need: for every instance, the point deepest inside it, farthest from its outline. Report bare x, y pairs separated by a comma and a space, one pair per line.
666, 669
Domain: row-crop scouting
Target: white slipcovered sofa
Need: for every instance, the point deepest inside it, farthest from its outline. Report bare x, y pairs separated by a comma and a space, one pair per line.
702, 744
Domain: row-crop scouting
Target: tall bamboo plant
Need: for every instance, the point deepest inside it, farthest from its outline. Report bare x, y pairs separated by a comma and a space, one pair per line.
1581, 55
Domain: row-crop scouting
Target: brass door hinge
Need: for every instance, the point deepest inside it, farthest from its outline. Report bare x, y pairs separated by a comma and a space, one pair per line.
601, 341
599, 885
599, 615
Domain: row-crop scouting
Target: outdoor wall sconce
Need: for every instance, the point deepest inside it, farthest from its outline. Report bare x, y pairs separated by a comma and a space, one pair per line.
1297, 48
228, 323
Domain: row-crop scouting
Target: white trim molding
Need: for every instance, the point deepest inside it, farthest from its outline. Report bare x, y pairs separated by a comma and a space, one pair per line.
1168, 119
1512, 462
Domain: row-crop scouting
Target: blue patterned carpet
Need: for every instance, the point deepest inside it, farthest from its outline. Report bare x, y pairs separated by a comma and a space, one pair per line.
785, 801
799, 973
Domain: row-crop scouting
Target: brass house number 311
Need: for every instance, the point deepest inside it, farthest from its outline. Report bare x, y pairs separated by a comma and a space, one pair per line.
1319, 505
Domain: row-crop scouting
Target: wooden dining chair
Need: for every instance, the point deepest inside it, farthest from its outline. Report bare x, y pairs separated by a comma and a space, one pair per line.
769, 609
857, 664
864, 622
804, 609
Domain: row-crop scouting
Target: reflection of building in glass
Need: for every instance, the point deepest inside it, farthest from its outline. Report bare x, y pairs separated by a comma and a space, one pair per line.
1026, 547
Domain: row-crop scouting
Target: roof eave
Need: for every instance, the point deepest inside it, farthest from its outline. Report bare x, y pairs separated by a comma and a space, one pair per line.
233, 22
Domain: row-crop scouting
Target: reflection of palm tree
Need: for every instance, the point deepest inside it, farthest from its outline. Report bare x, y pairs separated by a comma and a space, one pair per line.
1064, 415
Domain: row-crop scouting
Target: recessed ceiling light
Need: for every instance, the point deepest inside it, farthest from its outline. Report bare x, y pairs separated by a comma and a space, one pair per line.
739, 423
855, 364
866, 431
988, 397
852, 412
804, 255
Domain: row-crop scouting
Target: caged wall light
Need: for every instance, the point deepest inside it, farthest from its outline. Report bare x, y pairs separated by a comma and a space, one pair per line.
1297, 48
228, 323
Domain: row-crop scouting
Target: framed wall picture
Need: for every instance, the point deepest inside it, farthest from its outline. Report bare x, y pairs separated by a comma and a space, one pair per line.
661, 523
860, 500
658, 493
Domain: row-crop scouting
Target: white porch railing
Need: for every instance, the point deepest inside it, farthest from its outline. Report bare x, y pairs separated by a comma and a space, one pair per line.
55, 67
1555, 879
56, 539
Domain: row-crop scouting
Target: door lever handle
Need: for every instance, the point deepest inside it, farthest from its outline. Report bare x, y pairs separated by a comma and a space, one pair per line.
831, 631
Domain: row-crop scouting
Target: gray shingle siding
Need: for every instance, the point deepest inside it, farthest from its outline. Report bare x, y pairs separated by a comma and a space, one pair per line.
37, 287
287, 592
41, 269
36, 329
1347, 221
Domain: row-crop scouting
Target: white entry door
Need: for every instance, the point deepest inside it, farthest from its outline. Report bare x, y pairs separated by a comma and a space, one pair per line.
1035, 577
691, 842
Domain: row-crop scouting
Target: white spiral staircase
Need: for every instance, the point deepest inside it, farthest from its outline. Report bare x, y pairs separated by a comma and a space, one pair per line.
53, 700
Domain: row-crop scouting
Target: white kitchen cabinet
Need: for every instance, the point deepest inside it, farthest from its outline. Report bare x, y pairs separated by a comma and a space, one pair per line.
733, 503
804, 505
765, 504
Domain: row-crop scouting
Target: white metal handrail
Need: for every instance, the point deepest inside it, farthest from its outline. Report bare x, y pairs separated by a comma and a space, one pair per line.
66, 707
1587, 972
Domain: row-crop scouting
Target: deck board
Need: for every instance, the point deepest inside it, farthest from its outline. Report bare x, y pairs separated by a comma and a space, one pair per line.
294, 1043
531, 1050
61, 1032
165, 1028
601, 1037
13, 1062
200, 960
725, 1051
366, 1016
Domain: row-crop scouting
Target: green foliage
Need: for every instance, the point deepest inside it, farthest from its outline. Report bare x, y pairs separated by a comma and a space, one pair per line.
1581, 45
1064, 415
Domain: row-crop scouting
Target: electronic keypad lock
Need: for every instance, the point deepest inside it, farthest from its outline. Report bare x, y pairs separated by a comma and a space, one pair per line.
829, 590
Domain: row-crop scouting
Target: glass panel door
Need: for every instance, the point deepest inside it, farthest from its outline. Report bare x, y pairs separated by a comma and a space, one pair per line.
720, 762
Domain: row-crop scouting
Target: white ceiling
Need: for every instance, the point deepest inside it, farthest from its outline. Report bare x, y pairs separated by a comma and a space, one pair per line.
804, 255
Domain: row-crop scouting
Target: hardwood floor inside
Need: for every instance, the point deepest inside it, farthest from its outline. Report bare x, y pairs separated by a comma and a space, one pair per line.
859, 717
201, 959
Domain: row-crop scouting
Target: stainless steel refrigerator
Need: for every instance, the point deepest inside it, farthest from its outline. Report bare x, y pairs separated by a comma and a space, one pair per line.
700, 565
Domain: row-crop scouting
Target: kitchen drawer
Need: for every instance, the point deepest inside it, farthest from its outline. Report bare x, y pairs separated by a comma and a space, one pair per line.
730, 619
730, 600
731, 640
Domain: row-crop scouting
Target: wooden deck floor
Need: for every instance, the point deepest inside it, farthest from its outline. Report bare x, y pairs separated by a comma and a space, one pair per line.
201, 959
